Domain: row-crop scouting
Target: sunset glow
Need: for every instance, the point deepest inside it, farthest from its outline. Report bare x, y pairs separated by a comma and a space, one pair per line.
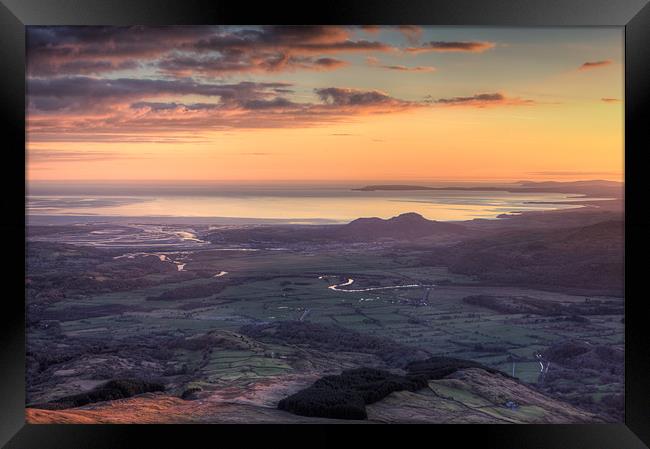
313, 224
324, 103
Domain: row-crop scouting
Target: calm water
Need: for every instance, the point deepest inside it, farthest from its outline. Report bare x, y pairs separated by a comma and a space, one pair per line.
291, 204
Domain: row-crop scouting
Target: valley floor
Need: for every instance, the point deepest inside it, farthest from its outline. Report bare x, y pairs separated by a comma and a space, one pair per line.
178, 313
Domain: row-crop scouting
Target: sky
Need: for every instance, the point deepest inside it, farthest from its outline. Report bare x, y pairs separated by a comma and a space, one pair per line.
324, 103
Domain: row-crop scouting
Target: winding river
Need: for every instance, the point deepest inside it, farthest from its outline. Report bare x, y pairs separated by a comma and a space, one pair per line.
335, 287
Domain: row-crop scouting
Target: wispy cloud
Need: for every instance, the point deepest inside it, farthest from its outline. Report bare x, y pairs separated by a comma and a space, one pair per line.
79, 93
375, 62
610, 100
453, 46
49, 155
481, 100
594, 65
364, 99
404, 68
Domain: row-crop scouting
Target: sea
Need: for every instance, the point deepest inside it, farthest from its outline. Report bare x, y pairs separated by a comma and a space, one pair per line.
273, 203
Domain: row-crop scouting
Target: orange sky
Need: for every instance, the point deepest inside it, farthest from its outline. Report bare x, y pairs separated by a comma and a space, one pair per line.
343, 104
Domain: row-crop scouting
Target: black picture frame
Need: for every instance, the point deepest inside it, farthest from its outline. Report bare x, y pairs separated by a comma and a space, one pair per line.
634, 15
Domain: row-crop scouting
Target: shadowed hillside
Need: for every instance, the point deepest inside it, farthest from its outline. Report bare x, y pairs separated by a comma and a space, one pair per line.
589, 258
334, 339
406, 226
409, 226
110, 391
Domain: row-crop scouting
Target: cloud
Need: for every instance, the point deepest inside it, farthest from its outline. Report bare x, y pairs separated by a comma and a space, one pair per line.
338, 96
173, 106
178, 49
269, 49
373, 61
184, 65
611, 100
191, 65
87, 94
48, 155
329, 62
301, 40
275, 103
481, 100
403, 68
453, 46
88, 67
55, 133
183, 51
88, 109
130, 113
594, 64
66, 50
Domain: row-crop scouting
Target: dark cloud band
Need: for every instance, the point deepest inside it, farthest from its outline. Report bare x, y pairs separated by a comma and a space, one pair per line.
594, 64
453, 46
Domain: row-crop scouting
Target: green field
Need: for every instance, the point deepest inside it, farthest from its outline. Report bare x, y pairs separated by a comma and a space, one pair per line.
267, 286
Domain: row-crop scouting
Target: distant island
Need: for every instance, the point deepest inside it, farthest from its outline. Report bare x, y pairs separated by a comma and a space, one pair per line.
395, 187
589, 188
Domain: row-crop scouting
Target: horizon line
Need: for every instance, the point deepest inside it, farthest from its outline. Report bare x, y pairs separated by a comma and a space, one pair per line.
331, 181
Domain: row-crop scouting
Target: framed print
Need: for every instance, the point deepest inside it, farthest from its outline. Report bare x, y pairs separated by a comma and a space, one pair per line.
424, 214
